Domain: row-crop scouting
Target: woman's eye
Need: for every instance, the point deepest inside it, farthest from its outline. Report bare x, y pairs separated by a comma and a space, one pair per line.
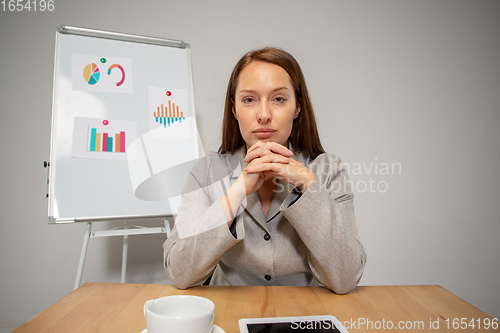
280, 99
247, 100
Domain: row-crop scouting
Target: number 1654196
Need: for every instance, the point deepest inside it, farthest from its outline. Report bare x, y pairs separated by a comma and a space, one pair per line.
27, 5
466, 323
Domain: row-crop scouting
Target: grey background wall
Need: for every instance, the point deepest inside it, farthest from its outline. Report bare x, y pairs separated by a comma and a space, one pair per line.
413, 85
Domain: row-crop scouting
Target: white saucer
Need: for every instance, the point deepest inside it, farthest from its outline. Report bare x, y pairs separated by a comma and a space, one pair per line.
215, 329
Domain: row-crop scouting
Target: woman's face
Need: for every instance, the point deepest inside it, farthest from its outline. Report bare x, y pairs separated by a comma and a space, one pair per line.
265, 104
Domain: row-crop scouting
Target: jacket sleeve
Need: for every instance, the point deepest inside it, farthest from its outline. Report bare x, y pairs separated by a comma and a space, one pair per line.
200, 236
324, 219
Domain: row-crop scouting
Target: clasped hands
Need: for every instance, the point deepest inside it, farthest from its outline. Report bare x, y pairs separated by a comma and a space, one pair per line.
266, 160
273, 160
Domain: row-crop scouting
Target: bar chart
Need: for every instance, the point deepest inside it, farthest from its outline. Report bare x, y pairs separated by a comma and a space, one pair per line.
104, 142
99, 138
167, 115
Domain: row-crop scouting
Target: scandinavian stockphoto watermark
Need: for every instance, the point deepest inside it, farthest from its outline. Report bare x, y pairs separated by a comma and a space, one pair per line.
334, 178
340, 180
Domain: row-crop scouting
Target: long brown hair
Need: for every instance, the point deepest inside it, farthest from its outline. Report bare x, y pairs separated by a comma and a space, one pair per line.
304, 135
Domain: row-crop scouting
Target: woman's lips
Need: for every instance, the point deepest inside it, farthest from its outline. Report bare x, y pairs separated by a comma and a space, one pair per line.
264, 133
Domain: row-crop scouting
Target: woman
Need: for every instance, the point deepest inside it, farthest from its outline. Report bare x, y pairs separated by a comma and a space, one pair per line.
271, 207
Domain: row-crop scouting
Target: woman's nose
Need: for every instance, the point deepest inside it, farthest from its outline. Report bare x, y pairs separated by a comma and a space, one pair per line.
264, 113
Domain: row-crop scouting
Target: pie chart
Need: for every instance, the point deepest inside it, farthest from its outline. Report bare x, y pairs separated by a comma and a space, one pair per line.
91, 73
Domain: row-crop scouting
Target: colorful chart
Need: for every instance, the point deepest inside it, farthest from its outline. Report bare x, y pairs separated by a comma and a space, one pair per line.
119, 83
91, 74
103, 142
167, 115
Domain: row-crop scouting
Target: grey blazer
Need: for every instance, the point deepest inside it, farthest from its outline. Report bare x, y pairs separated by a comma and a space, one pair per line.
305, 238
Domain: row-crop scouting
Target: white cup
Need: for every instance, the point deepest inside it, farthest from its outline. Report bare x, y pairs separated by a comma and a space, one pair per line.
179, 314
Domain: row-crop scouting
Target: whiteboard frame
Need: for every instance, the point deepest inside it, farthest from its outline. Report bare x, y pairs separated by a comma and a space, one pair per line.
72, 30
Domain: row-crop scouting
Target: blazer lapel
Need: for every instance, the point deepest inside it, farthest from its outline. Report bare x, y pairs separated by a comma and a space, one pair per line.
254, 208
280, 193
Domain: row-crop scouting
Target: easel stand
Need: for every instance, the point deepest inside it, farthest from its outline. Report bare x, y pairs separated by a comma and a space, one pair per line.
125, 231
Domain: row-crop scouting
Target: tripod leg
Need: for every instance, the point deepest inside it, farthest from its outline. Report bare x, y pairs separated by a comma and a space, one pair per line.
85, 245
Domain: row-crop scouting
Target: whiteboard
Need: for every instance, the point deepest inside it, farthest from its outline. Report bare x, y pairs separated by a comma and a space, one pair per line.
124, 134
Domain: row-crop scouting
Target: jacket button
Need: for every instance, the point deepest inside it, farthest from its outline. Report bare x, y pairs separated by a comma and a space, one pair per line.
267, 237
267, 277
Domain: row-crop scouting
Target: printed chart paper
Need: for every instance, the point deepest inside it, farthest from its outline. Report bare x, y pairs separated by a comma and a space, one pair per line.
102, 138
101, 74
168, 113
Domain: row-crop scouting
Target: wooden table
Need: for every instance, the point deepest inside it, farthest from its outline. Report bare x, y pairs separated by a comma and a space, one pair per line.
115, 307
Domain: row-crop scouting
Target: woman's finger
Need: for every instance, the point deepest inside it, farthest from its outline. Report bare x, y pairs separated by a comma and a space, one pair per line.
271, 146
261, 149
276, 168
271, 158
